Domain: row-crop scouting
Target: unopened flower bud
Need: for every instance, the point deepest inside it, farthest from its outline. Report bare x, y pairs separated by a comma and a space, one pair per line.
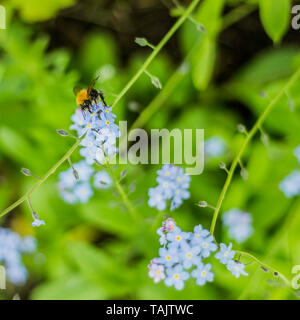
202, 204
75, 174
244, 174
26, 172
62, 132
123, 173
155, 81
141, 41
241, 128
222, 165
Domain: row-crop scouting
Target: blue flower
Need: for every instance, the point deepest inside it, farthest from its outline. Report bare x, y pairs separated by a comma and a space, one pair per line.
12, 246
290, 186
79, 122
225, 254
156, 199
156, 271
68, 196
176, 277
177, 237
199, 233
179, 196
166, 187
167, 171
84, 170
207, 246
239, 224
214, 147
95, 108
182, 180
236, 268
203, 274
108, 124
101, 133
107, 114
189, 255
172, 185
168, 257
37, 222
163, 237
83, 192
169, 225
72, 190
102, 180
17, 274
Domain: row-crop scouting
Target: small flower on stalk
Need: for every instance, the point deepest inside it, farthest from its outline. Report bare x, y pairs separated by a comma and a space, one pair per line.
236, 268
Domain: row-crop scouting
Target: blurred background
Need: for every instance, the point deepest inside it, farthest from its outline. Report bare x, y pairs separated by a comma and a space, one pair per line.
219, 70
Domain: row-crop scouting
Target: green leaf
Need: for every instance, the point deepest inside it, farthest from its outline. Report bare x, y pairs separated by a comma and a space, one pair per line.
203, 59
275, 17
33, 10
203, 63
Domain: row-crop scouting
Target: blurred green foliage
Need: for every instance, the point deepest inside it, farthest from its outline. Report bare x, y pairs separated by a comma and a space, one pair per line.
92, 251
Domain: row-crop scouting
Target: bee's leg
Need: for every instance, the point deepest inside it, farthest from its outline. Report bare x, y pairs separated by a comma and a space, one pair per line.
83, 114
101, 95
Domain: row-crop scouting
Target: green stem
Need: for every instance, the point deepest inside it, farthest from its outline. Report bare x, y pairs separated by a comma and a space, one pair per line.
157, 49
229, 19
158, 101
237, 14
248, 138
265, 266
123, 194
42, 180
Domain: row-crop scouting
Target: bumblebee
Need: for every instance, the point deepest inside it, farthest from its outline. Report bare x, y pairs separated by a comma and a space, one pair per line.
85, 98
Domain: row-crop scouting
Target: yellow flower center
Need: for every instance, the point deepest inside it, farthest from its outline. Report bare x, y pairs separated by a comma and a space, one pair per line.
204, 245
107, 111
203, 273
168, 258
176, 276
179, 179
89, 126
178, 238
167, 174
158, 272
107, 122
92, 114
189, 255
226, 253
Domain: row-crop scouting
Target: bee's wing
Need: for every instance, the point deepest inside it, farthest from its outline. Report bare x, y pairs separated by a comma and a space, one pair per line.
76, 89
92, 84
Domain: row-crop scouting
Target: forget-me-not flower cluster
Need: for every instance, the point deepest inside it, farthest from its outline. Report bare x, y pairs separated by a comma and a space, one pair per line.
74, 190
182, 253
239, 224
11, 249
226, 256
173, 185
100, 131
